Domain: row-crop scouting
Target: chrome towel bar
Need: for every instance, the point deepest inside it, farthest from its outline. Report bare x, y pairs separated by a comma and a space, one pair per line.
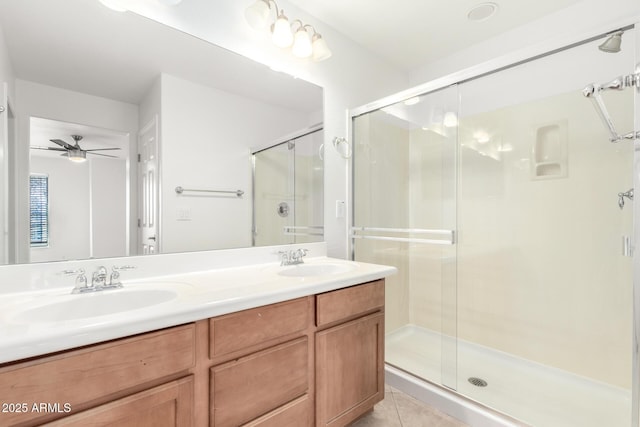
448, 236
180, 190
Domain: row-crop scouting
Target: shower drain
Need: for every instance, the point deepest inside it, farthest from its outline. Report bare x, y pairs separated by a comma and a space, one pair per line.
478, 382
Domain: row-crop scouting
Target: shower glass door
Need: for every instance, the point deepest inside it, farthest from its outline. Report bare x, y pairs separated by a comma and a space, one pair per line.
272, 195
404, 186
528, 307
544, 288
288, 192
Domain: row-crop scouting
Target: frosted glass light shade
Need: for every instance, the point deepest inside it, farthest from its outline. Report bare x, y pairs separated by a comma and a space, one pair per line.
117, 5
77, 156
257, 15
301, 44
320, 49
281, 35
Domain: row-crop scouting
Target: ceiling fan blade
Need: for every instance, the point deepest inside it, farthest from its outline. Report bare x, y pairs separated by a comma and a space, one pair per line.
47, 148
102, 149
103, 155
63, 144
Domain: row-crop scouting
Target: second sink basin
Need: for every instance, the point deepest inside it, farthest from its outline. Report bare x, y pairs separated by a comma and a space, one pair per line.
74, 307
304, 270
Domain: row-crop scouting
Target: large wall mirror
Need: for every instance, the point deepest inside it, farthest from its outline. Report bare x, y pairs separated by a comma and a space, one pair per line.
112, 112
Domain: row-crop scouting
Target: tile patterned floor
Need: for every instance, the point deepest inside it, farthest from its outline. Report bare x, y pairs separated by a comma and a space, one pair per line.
401, 410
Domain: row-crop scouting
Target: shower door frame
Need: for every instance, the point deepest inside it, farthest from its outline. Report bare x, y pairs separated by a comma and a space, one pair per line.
507, 61
283, 140
635, 368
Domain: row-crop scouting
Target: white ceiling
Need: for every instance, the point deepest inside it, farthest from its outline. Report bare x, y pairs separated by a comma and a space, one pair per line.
411, 33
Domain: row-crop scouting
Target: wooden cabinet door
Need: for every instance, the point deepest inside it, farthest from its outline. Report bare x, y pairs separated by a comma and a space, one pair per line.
168, 405
251, 386
349, 370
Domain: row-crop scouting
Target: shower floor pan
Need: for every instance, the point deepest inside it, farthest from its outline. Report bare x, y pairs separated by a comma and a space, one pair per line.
536, 394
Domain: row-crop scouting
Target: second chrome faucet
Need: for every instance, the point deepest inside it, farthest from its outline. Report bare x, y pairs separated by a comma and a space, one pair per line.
99, 279
292, 257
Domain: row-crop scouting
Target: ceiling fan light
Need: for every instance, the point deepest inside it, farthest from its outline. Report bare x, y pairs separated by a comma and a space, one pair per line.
117, 5
257, 15
77, 156
301, 44
320, 49
281, 32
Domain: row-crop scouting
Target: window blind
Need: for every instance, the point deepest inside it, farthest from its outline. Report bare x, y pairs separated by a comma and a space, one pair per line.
39, 209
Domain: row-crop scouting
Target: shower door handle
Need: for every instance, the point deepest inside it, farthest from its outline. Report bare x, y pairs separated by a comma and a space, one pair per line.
627, 246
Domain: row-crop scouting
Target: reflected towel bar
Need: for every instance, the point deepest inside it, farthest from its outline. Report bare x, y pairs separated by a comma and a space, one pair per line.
239, 193
314, 230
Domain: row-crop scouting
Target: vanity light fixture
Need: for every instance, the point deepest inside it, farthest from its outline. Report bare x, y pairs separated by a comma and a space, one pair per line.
305, 42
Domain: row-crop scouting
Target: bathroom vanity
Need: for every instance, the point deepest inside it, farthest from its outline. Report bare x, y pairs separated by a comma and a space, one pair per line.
315, 359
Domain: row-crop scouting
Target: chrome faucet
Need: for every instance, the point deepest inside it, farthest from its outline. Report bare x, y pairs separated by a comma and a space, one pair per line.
98, 279
292, 257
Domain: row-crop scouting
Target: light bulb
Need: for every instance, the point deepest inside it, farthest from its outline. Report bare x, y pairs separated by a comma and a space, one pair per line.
257, 15
301, 44
320, 49
281, 35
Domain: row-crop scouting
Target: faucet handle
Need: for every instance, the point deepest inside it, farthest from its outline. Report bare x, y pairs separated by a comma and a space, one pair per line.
115, 274
81, 280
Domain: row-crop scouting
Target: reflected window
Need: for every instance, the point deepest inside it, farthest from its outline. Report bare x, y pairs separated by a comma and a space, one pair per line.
39, 209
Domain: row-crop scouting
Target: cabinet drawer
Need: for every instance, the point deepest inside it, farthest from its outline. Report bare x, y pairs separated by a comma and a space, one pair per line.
252, 386
168, 405
250, 328
294, 414
89, 375
349, 303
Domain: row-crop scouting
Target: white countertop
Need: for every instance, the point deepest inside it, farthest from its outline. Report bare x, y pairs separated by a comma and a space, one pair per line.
200, 295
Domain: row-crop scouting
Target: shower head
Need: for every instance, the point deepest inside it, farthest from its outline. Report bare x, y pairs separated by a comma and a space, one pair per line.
612, 43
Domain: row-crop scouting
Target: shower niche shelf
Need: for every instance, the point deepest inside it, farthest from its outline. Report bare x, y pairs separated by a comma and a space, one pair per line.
549, 152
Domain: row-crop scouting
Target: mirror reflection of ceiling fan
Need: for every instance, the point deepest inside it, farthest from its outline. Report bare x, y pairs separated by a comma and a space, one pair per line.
74, 152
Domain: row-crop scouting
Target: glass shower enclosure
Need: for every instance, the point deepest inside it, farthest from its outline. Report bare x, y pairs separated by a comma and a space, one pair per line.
508, 213
288, 190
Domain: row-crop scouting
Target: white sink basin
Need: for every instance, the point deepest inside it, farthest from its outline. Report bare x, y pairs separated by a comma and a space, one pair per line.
305, 270
83, 306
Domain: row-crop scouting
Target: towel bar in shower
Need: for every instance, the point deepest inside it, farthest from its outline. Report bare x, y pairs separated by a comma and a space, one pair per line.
448, 236
180, 190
